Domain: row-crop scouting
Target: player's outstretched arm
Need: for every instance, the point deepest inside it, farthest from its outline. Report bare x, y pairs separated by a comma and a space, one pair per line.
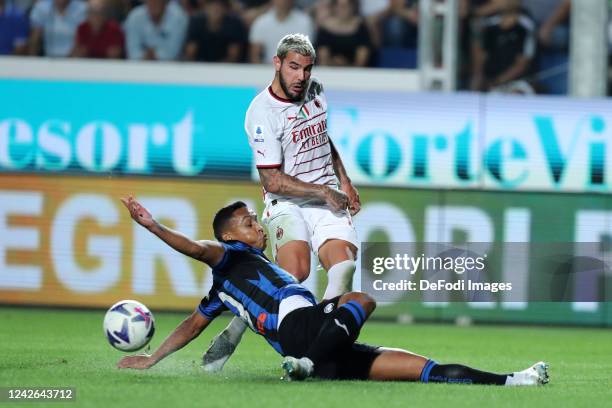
354, 203
210, 252
188, 330
276, 181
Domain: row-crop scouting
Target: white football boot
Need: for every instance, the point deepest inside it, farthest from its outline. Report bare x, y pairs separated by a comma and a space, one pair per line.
537, 374
297, 369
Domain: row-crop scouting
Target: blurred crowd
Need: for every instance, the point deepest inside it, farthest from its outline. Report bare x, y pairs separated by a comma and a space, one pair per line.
519, 43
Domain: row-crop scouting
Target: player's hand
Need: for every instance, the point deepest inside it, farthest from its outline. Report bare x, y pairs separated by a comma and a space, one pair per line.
140, 362
139, 214
354, 203
336, 199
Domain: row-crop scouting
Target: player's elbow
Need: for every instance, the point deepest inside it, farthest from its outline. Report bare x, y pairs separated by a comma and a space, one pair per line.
273, 186
271, 180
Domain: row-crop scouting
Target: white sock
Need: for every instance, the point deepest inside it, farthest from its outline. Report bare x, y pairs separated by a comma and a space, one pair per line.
519, 378
511, 380
235, 330
339, 279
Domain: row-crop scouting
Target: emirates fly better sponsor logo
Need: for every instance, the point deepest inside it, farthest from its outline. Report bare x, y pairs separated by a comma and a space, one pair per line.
309, 130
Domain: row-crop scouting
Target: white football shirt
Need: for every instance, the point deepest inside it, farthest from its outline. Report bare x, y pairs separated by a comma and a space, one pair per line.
292, 136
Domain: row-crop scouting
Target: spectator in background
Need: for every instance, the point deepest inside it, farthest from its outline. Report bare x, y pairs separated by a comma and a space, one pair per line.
155, 31
98, 36
24, 5
318, 10
190, 7
249, 10
398, 24
118, 9
371, 11
470, 17
214, 34
553, 18
505, 49
306, 5
344, 39
373, 7
54, 24
13, 30
267, 30
485, 8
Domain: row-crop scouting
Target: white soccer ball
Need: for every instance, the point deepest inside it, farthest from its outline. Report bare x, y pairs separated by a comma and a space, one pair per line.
129, 325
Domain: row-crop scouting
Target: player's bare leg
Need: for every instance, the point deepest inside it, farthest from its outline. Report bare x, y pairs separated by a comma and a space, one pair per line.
294, 257
401, 365
397, 365
338, 259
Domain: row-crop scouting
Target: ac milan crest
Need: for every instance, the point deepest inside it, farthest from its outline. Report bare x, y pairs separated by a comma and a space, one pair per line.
279, 233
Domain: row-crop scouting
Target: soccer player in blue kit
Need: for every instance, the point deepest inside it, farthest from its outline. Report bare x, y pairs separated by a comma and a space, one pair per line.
316, 339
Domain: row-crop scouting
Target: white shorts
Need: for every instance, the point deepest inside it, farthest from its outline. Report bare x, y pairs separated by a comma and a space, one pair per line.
286, 221
290, 304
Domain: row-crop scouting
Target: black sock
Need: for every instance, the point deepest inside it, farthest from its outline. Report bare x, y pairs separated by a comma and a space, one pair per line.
341, 328
459, 374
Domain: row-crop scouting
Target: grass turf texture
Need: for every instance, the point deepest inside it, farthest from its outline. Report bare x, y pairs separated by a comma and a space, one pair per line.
67, 348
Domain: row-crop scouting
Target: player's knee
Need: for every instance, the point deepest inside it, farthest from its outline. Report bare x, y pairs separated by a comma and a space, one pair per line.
294, 263
300, 273
299, 268
366, 301
335, 251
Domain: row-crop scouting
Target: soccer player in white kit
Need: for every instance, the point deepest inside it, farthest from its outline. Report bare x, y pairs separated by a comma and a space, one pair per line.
308, 195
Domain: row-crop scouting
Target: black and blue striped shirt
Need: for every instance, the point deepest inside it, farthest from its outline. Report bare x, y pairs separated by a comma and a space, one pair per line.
249, 285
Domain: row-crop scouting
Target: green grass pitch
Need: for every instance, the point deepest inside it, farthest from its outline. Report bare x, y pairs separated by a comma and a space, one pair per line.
67, 348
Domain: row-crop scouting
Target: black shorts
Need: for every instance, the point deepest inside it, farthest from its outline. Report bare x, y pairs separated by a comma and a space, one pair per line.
299, 329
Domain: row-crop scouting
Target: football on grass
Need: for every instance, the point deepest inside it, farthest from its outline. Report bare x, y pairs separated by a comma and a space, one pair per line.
129, 325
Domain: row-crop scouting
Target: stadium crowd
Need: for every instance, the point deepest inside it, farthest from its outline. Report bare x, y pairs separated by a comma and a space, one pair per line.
517, 42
